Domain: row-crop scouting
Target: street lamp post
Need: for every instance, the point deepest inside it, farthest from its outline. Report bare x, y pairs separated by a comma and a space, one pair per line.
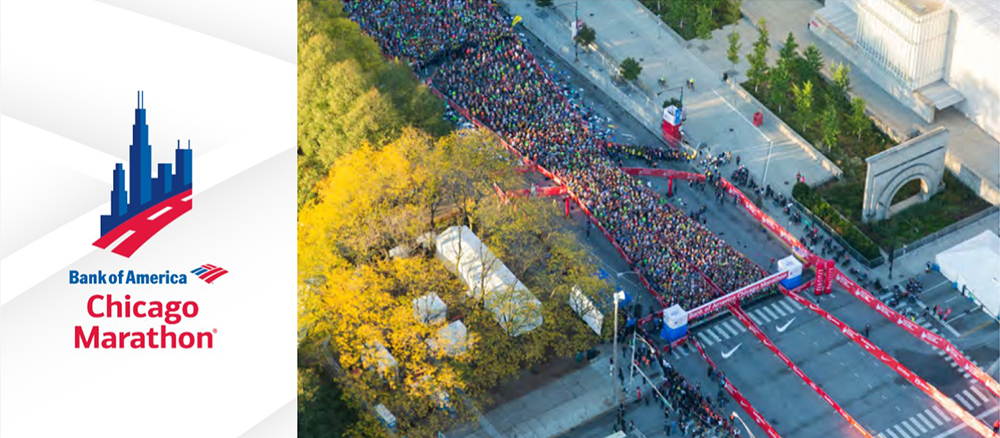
737, 416
576, 25
767, 162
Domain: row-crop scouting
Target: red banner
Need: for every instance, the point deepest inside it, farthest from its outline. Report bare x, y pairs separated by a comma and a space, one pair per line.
821, 273
831, 267
738, 313
891, 362
735, 296
735, 394
917, 331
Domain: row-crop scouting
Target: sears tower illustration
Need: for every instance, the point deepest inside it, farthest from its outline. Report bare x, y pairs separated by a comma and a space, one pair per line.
149, 203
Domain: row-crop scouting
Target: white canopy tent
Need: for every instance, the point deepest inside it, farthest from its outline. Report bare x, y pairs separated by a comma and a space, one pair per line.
972, 266
429, 309
452, 339
512, 304
586, 310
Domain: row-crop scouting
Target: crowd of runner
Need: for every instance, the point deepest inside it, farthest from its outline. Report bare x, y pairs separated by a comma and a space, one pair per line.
485, 68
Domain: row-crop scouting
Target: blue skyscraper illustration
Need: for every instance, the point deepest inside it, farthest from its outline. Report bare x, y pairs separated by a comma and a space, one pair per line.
144, 191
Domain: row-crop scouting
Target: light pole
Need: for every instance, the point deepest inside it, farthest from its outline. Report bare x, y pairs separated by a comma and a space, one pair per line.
620, 295
576, 25
770, 144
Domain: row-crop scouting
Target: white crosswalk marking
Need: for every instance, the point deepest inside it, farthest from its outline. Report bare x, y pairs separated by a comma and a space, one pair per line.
738, 326
891, 435
930, 426
910, 428
981, 396
778, 309
972, 399
755, 319
732, 331
704, 339
794, 304
961, 400
685, 351
900, 431
785, 305
674, 354
722, 333
769, 312
761, 316
917, 423
714, 336
879, 436
940, 353
933, 417
943, 415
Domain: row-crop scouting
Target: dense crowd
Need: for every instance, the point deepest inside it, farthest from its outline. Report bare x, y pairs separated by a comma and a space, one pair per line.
485, 68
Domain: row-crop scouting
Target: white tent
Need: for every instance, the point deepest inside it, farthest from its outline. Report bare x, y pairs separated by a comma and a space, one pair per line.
586, 310
972, 266
453, 339
487, 278
429, 309
380, 357
385, 416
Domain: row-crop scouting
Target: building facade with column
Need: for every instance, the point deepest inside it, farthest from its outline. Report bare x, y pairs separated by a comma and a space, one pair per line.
928, 54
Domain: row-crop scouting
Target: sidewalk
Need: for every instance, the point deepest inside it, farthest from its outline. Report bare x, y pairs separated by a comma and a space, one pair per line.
553, 409
717, 115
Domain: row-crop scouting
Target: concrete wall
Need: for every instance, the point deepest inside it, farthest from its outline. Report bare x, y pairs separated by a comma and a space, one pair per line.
973, 70
921, 158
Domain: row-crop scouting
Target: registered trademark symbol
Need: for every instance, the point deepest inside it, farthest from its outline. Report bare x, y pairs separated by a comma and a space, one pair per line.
215, 330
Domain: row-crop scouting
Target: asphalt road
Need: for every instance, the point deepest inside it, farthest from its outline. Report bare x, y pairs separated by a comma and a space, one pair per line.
878, 398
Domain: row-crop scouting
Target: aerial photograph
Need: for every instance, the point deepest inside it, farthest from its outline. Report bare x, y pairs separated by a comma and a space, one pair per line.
648, 218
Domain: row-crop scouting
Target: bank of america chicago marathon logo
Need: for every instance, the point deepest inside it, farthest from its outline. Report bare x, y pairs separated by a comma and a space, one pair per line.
149, 204
209, 273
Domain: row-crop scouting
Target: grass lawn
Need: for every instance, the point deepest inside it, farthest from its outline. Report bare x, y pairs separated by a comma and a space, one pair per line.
682, 15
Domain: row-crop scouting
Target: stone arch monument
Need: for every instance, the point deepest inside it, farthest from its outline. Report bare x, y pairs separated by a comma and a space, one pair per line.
921, 158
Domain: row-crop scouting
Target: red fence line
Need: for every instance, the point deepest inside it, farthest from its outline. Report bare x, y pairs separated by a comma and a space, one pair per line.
738, 313
891, 362
736, 395
917, 331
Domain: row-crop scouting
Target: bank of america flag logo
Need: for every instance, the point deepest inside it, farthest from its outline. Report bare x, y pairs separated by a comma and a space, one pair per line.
150, 203
209, 273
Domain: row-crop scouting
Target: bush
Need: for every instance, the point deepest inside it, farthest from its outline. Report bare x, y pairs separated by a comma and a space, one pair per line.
630, 69
825, 212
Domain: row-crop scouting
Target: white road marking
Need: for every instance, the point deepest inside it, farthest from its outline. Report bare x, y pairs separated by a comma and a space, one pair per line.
961, 400
725, 355
891, 435
160, 213
721, 332
901, 433
933, 417
972, 399
713, 335
120, 240
782, 328
761, 315
786, 306
769, 313
781, 313
961, 426
983, 397
917, 423
795, 304
930, 426
755, 319
704, 339
941, 413
725, 325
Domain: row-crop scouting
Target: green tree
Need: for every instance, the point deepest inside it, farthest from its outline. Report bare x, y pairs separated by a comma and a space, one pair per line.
757, 58
680, 15
841, 78
781, 82
733, 13
788, 54
585, 36
630, 69
830, 126
859, 120
543, 3
733, 52
812, 64
804, 103
705, 24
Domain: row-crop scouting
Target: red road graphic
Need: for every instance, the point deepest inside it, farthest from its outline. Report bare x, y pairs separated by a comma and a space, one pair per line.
143, 228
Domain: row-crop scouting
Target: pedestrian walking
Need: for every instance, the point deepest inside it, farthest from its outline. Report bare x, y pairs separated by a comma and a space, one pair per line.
621, 376
946, 313
996, 427
868, 328
588, 229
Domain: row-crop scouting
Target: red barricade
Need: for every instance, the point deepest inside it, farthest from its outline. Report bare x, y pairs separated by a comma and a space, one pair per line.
891, 362
917, 331
736, 395
738, 313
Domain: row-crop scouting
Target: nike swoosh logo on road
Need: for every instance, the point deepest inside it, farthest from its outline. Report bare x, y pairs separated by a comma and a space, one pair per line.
781, 328
726, 354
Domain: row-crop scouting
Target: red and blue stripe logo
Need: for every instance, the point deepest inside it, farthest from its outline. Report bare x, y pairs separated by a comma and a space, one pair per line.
209, 272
